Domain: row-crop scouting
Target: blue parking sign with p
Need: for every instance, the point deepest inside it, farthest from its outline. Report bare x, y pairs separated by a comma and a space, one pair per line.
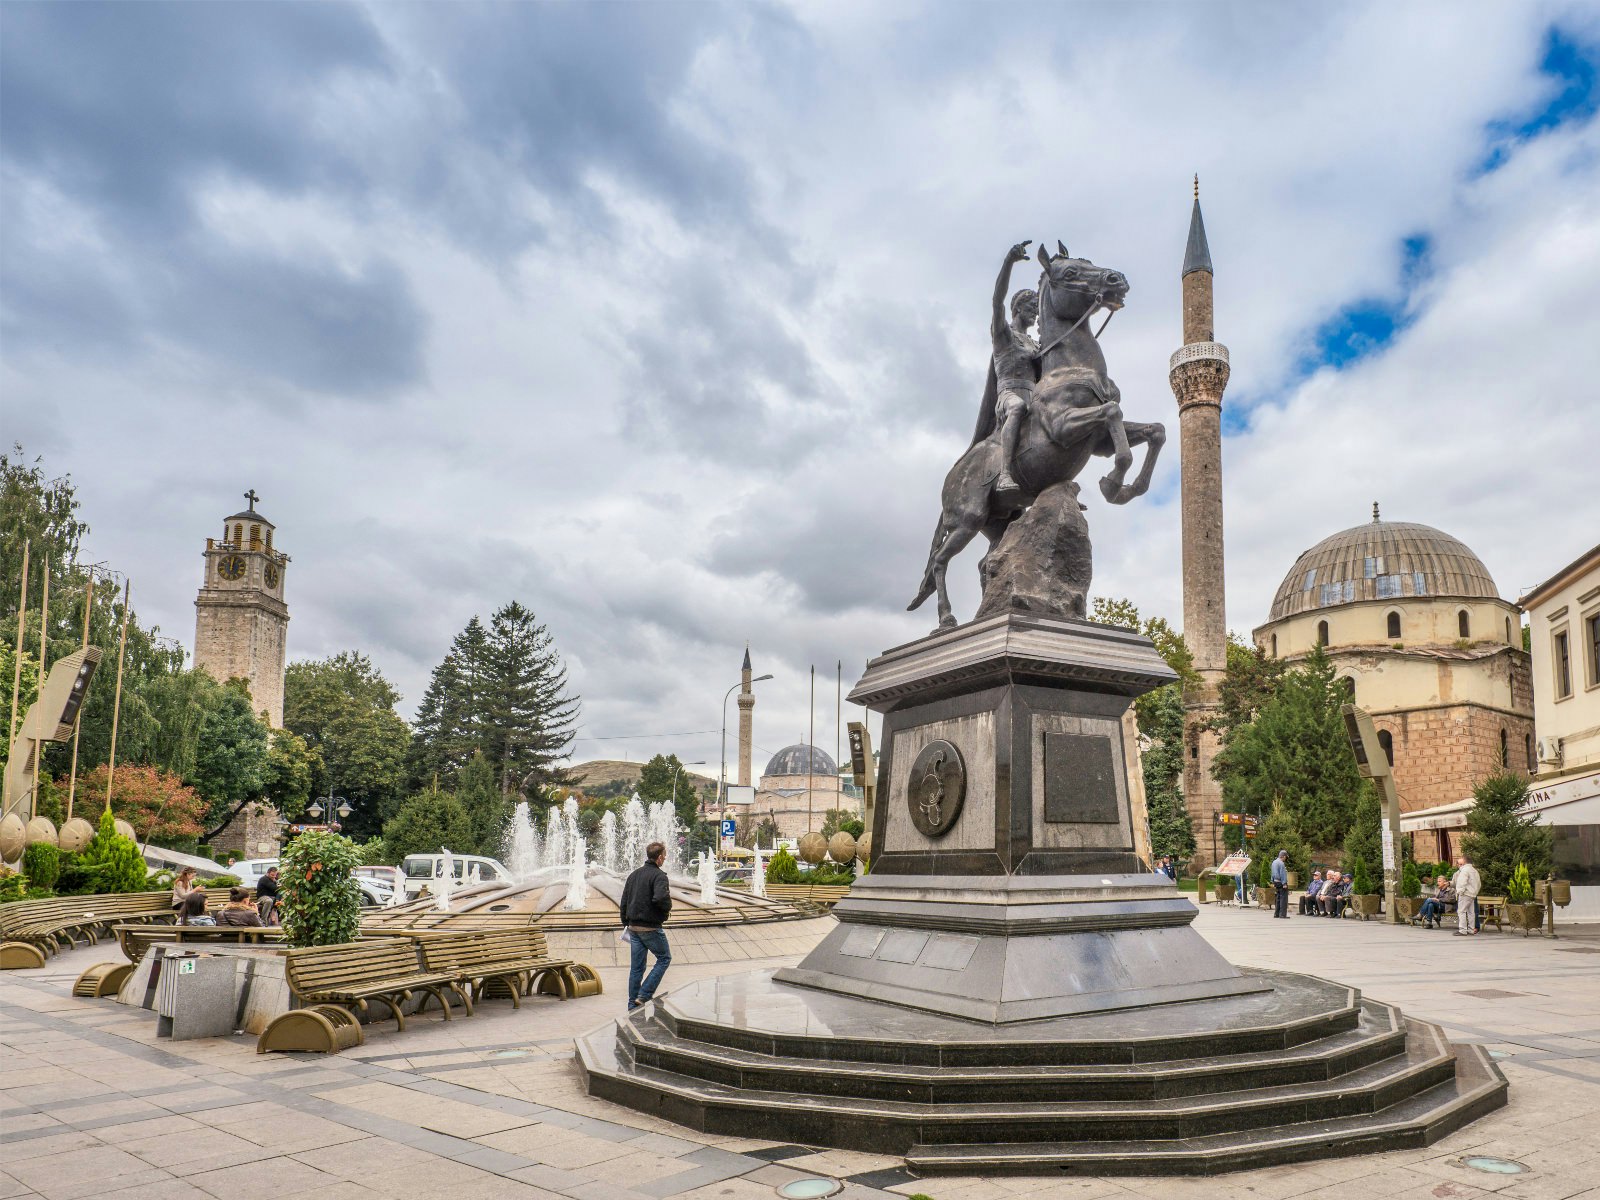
728, 828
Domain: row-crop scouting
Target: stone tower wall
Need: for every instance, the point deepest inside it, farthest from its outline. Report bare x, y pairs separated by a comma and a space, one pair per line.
237, 637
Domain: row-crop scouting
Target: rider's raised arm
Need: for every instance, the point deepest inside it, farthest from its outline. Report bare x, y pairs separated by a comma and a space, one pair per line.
999, 327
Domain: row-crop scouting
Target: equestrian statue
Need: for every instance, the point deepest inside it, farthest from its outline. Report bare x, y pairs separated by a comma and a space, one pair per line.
1048, 408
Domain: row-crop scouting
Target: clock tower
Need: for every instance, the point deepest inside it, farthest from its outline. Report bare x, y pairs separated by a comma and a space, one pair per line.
241, 622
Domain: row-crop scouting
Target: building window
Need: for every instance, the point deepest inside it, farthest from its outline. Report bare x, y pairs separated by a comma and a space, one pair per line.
1527, 751
1394, 625
1386, 740
1274, 645
238, 534
1347, 684
1505, 748
1463, 624
1561, 665
1322, 633
1591, 650
255, 537
1508, 631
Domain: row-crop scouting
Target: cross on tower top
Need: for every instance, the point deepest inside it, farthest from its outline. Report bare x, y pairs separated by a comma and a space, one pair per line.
251, 498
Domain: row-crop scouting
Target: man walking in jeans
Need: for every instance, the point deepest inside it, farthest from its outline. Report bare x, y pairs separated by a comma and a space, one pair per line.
646, 904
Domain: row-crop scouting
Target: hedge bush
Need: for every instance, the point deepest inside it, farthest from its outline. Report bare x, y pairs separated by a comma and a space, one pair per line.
41, 863
320, 897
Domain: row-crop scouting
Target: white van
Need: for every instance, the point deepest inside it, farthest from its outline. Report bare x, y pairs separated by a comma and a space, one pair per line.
421, 870
376, 889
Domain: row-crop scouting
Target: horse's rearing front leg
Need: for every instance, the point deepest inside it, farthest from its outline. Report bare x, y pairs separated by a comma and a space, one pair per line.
1152, 435
1121, 454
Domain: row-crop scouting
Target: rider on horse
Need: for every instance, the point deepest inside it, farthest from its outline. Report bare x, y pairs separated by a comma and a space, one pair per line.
1013, 371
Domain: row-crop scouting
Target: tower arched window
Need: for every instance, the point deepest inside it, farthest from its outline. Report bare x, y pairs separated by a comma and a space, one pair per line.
1347, 685
1464, 624
238, 534
255, 537
1322, 633
1508, 632
1527, 751
1394, 625
1505, 748
1274, 645
1386, 740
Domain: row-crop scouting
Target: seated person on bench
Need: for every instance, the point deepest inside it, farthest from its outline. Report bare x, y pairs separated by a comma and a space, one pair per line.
1308, 902
240, 910
194, 909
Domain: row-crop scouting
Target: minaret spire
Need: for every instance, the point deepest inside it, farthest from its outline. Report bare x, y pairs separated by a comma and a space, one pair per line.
747, 712
1198, 373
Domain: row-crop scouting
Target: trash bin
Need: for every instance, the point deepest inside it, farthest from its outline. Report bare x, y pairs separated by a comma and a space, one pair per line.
196, 994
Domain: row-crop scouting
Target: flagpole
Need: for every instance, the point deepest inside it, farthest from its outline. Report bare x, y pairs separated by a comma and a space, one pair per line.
116, 702
811, 750
22, 623
77, 723
44, 643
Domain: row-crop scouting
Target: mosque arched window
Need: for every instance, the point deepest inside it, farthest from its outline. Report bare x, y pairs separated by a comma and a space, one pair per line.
1527, 751
1505, 748
1464, 624
1274, 645
1394, 625
1322, 633
1347, 684
1509, 642
1386, 740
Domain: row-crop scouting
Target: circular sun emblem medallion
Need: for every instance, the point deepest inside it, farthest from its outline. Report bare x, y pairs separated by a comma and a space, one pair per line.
938, 786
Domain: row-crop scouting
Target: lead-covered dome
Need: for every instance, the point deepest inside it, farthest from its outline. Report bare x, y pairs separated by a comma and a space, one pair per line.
1381, 560
801, 759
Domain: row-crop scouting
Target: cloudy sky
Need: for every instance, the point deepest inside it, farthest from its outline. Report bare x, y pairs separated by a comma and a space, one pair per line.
667, 319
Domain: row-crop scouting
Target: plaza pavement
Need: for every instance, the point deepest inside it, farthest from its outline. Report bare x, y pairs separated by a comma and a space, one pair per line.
93, 1105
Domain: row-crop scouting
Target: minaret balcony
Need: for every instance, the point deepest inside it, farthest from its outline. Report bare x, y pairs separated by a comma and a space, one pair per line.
1198, 352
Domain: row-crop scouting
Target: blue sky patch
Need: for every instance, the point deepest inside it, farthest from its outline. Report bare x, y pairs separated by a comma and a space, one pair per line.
1570, 67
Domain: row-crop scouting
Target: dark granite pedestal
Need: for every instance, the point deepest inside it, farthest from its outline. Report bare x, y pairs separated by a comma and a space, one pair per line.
1010, 989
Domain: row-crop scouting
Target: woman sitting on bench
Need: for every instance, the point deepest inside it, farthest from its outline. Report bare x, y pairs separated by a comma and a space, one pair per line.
194, 909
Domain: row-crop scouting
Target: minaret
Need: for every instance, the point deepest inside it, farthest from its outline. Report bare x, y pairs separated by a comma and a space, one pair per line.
747, 707
1198, 373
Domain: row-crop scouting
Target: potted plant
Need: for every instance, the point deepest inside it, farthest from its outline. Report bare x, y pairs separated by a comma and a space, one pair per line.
1225, 888
1364, 898
1409, 902
1521, 908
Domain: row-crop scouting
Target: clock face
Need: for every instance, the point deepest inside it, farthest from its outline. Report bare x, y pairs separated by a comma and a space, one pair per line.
231, 567
272, 576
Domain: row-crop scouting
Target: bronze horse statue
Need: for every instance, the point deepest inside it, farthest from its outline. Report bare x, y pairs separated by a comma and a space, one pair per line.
1075, 414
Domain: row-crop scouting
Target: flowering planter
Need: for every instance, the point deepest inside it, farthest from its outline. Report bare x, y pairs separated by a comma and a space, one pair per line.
1526, 917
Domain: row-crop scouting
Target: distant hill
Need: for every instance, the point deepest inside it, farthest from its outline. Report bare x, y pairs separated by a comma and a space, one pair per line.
608, 773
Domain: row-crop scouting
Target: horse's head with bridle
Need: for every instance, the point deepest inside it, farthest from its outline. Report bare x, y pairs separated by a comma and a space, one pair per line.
1073, 289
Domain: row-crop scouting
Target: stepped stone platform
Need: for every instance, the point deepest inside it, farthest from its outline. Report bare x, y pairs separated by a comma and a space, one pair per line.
1303, 1069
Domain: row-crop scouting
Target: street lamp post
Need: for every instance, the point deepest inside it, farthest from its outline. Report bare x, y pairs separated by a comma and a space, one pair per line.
722, 778
336, 805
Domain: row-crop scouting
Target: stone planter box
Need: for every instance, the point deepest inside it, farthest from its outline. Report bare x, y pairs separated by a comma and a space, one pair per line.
1224, 888
1409, 907
1366, 907
1264, 897
1526, 917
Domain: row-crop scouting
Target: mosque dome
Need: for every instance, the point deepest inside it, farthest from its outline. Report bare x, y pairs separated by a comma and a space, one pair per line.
1381, 560
801, 759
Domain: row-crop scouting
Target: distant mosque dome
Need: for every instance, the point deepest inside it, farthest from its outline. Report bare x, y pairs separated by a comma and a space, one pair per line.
1381, 560
800, 759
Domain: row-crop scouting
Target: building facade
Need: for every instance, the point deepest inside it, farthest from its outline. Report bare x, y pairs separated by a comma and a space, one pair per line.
1198, 374
241, 620
1412, 621
798, 787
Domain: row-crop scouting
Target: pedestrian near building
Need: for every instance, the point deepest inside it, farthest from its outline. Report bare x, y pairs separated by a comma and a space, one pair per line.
267, 896
1280, 885
646, 905
1467, 885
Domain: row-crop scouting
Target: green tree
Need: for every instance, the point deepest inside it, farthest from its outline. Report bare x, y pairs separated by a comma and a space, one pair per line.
179, 704
231, 756
344, 709
1363, 845
1279, 832
488, 808
1501, 832
1294, 749
288, 773
113, 859
501, 691
318, 891
842, 819
664, 778
428, 823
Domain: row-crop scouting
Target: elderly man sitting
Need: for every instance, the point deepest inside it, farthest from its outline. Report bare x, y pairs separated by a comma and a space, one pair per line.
1441, 902
1308, 902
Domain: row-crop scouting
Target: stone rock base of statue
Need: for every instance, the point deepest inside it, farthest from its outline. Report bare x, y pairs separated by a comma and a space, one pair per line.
1010, 989
1043, 563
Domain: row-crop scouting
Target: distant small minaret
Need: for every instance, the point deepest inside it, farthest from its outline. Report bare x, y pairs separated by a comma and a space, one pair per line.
1199, 374
747, 707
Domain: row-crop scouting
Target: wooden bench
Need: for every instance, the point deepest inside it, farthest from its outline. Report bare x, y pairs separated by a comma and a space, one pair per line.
32, 930
518, 961
135, 940
1491, 911
818, 895
353, 974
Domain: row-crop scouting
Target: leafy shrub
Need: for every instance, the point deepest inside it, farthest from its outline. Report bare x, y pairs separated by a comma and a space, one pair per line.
1361, 880
78, 878
220, 881
1519, 889
13, 886
117, 859
782, 868
320, 897
41, 863
1280, 832
1410, 880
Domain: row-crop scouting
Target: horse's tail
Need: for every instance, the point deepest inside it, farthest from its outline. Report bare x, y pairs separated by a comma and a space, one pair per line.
928, 584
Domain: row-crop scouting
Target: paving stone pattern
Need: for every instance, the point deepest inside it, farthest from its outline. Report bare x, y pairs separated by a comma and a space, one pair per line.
91, 1104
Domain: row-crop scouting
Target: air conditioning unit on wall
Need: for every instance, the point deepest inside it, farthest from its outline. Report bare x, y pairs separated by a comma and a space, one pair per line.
1550, 750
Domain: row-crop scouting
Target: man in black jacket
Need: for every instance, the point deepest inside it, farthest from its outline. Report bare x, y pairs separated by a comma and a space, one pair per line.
646, 904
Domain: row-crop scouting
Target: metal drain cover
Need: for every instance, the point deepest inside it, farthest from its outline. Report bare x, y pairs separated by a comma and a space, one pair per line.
1494, 1166
810, 1189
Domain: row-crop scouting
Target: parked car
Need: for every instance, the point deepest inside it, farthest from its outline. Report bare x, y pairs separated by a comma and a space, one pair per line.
375, 889
421, 870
